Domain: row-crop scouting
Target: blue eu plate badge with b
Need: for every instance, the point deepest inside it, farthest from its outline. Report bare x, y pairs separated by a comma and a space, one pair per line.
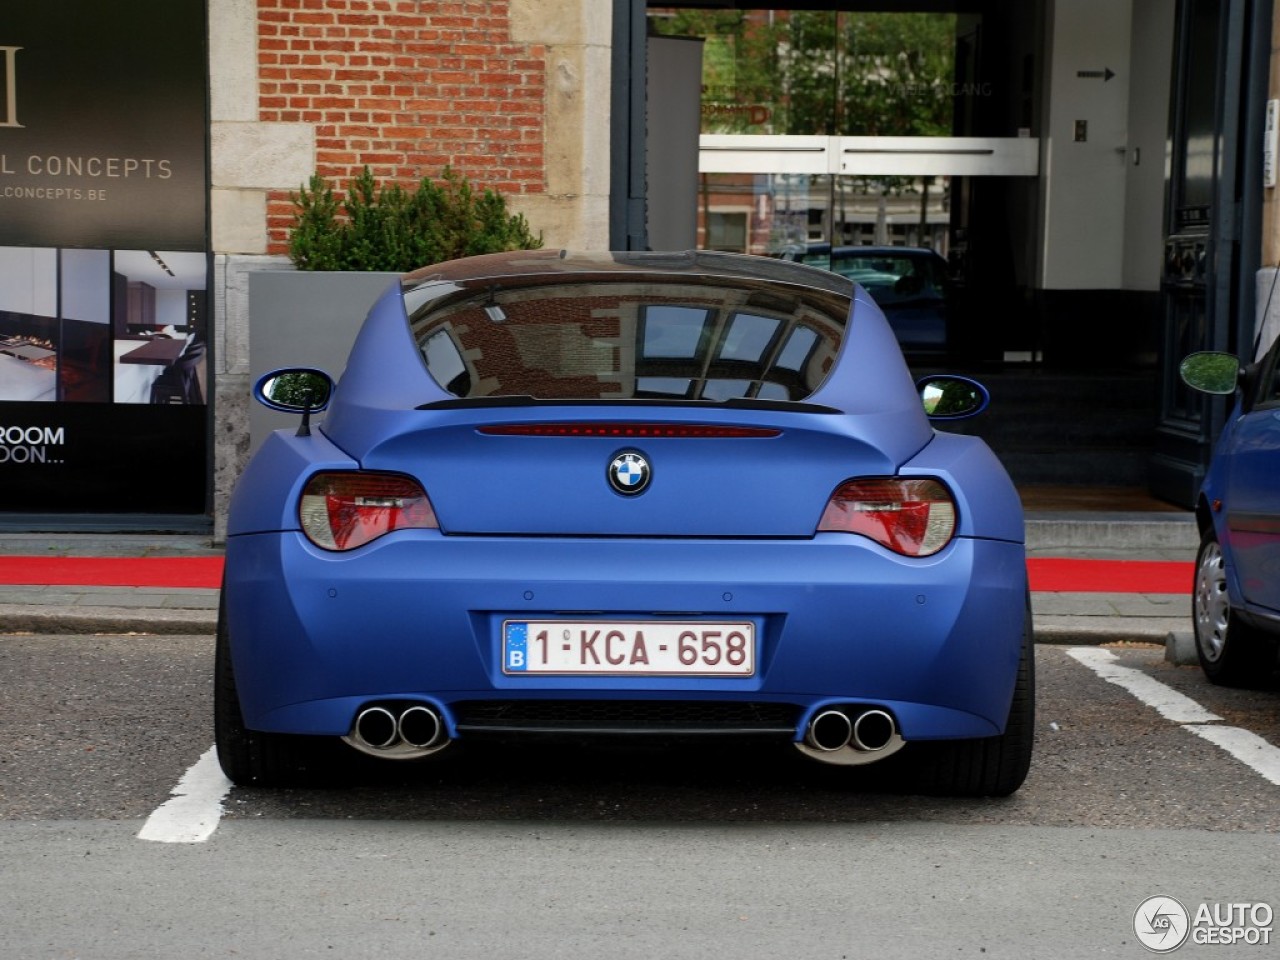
516, 647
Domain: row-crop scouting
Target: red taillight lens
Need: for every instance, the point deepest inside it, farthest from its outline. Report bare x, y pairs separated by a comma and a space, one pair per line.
915, 517
342, 511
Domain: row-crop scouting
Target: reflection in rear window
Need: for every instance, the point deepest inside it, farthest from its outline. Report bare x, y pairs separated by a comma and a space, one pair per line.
674, 332
653, 338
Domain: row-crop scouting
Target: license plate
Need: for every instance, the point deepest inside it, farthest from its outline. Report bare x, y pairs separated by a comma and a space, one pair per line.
629, 648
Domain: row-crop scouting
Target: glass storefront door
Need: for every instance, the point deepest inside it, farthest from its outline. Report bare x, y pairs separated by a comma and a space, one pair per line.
823, 130
781, 76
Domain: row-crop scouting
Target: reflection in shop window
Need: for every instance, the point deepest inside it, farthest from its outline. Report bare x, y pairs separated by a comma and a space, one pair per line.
829, 73
797, 214
823, 72
727, 232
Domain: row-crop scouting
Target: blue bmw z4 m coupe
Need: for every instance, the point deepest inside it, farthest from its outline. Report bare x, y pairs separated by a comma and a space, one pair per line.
632, 495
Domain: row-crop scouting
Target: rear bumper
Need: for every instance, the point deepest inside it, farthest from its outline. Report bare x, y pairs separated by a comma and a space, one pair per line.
417, 616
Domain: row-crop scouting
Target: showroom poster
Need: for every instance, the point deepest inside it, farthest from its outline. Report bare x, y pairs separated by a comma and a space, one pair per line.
104, 266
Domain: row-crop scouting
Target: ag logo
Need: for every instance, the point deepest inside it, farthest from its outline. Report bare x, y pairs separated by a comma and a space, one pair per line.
1162, 924
629, 473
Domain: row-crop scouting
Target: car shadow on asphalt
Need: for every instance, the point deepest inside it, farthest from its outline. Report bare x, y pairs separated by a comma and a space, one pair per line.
630, 782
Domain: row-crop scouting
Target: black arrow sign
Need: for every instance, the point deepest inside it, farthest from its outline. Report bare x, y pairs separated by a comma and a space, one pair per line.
1105, 74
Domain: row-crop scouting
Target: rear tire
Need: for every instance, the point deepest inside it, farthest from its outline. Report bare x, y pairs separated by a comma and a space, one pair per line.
1231, 652
252, 757
986, 766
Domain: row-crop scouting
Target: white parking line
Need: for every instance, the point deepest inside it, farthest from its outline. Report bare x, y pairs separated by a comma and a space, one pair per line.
193, 813
1169, 703
1253, 751
1247, 747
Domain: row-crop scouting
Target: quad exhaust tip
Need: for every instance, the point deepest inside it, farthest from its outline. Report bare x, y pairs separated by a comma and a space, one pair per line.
851, 736
398, 734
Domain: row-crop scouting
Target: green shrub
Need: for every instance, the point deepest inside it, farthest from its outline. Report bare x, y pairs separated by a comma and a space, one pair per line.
391, 229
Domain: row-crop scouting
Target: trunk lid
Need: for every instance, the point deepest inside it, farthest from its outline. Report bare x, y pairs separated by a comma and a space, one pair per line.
545, 472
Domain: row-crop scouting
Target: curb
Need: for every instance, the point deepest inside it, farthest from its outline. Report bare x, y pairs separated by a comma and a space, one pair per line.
113, 620
1087, 635
1068, 630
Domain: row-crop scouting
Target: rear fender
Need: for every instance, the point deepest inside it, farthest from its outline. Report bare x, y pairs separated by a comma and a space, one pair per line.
266, 495
988, 503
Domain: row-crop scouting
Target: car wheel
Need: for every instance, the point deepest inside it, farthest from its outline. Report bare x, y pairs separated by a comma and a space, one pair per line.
1231, 652
986, 766
251, 757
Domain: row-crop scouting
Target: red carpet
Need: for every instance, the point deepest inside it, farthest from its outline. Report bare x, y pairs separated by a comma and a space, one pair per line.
1054, 575
1047, 574
112, 571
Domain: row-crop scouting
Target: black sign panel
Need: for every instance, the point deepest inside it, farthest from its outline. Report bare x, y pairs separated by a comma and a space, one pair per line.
104, 264
102, 124
57, 458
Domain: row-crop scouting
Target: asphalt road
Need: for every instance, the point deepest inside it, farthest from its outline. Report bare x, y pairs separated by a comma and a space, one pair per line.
595, 854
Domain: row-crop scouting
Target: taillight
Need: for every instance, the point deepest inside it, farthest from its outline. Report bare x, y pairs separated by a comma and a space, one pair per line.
342, 511
913, 517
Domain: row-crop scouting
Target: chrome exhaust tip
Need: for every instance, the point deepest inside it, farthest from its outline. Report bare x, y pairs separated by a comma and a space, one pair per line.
829, 731
851, 735
420, 727
873, 731
392, 733
376, 727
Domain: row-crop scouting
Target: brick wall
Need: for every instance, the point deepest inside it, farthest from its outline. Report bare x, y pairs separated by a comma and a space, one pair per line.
405, 87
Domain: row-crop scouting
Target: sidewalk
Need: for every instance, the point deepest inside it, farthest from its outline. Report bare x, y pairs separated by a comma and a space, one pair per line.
1096, 578
93, 608
1105, 616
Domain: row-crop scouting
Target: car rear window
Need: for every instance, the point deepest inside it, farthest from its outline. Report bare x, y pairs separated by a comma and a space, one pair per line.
640, 338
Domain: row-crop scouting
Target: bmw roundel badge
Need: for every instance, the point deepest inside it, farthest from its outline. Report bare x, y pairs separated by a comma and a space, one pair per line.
629, 473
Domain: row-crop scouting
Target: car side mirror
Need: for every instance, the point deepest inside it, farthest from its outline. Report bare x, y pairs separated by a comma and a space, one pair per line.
950, 397
295, 390
299, 390
1211, 371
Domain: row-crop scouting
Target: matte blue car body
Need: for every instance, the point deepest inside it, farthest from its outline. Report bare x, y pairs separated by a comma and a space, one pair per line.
1242, 477
415, 615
